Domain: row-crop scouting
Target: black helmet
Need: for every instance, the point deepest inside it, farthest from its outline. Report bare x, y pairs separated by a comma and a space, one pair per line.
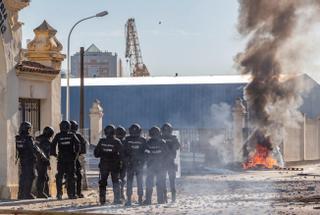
120, 132
48, 131
25, 128
65, 126
74, 125
135, 130
109, 130
155, 131
166, 129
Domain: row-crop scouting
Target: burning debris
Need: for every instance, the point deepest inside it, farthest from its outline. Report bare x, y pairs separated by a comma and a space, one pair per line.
261, 155
273, 101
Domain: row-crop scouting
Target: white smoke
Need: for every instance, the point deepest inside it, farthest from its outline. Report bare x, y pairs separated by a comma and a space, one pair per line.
221, 116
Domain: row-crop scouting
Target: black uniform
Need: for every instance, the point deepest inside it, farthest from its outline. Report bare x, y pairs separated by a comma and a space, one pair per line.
27, 153
109, 152
42, 166
172, 145
121, 134
27, 157
134, 156
155, 155
83, 151
68, 146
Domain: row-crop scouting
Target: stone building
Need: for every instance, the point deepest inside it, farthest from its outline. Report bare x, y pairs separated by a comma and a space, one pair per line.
97, 63
29, 86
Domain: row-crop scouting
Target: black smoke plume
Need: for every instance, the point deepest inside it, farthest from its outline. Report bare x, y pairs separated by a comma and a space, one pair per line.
270, 25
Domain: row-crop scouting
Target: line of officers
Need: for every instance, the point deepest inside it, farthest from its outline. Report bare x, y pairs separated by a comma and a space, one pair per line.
121, 156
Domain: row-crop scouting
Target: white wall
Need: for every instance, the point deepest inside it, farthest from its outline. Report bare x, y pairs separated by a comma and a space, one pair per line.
303, 143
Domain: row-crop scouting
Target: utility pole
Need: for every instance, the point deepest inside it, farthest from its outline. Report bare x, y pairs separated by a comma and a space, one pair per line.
101, 14
81, 118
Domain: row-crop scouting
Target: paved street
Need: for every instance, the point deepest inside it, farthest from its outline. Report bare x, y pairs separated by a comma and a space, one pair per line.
251, 192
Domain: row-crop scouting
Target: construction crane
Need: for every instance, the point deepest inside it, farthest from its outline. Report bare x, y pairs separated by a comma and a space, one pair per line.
133, 51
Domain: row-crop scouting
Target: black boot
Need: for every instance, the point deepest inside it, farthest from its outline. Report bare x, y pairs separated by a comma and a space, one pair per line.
122, 196
79, 187
46, 189
59, 190
128, 203
102, 195
102, 200
116, 194
71, 192
72, 196
173, 194
140, 201
147, 201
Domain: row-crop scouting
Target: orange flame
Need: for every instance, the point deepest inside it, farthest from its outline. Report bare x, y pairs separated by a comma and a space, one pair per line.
261, 157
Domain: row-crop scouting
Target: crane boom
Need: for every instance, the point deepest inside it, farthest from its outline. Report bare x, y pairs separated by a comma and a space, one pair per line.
133, 51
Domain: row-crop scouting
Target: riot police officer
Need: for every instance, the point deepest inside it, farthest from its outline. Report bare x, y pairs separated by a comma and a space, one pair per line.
121, 134
109, 151
44, 143
27, 153
134, 154
172, 145
80, 160
155, 154
68, 151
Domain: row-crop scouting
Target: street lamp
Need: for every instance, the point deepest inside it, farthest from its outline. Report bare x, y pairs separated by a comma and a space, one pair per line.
101, 14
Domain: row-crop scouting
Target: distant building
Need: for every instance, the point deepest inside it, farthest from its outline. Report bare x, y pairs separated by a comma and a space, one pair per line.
97, 63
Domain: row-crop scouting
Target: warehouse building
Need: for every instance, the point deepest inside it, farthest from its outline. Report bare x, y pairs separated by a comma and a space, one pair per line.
206, 111
187, 102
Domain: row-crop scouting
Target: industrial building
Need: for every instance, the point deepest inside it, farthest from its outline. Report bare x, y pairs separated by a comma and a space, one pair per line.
201, 108
97, 63
184, 101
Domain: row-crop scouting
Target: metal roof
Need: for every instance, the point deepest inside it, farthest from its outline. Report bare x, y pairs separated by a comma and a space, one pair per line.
160, 80
93, 48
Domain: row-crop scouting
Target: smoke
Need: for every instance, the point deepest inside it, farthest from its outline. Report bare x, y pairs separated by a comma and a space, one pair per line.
273, 57
221, 117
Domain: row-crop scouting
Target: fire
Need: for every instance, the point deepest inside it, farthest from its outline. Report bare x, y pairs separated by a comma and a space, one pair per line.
261, 157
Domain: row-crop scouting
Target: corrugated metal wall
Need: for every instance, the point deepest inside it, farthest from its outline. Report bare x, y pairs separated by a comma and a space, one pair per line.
185, 106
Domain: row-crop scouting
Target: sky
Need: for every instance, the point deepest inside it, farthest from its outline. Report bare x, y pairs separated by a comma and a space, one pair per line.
195, 37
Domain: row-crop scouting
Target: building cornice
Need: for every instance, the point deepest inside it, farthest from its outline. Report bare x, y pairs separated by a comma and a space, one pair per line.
35, 76
34, 70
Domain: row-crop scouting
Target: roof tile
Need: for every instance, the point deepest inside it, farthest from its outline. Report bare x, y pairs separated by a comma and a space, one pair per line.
30, 66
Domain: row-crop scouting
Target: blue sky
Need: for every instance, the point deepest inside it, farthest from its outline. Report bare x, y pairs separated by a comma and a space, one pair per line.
196, 37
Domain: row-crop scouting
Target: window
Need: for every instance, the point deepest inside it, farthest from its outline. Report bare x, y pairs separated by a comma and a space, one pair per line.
29, 110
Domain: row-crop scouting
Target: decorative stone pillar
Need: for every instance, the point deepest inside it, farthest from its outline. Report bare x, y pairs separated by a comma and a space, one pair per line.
96, 115
46, 50
239, 123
